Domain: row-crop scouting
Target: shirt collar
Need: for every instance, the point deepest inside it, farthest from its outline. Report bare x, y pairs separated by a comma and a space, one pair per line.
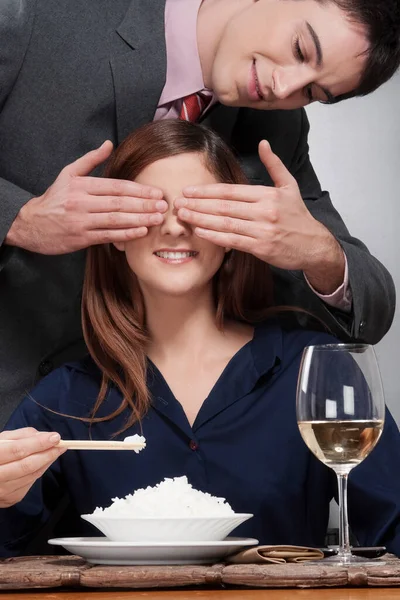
184, 75
259, 357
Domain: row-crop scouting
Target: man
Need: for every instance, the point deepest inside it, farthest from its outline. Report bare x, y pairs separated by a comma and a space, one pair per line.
74, 74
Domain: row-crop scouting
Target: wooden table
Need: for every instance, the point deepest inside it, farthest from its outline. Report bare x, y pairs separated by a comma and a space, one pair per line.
72, 578
320, 594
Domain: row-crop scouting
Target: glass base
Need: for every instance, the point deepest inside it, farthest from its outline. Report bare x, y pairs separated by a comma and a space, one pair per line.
345, 561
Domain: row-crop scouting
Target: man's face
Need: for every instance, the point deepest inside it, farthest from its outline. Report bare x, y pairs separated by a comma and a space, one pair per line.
284, 54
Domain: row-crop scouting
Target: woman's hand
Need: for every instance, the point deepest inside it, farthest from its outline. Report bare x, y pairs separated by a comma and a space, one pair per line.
27, 454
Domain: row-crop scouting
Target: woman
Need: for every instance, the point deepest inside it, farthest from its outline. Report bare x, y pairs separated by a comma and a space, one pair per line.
185, 350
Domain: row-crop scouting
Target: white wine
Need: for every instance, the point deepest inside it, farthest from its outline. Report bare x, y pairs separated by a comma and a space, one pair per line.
341, 443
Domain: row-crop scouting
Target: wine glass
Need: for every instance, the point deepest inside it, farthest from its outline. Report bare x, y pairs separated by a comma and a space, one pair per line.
340, 413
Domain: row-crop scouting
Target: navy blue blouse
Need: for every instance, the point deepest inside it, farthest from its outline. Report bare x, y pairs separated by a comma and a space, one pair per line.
244, 445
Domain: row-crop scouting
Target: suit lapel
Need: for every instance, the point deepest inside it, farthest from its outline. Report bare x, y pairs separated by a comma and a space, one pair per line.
139, 71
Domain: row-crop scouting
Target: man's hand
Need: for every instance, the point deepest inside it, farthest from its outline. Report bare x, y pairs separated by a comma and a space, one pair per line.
78, 211
272, 223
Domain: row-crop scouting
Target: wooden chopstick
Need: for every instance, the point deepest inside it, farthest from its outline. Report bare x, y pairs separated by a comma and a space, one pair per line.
95, 445
99, 445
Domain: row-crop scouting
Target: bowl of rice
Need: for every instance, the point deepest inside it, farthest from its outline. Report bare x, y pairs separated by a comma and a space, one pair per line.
171, 511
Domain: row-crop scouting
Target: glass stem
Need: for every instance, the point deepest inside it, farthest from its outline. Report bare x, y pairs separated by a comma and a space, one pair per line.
344, 538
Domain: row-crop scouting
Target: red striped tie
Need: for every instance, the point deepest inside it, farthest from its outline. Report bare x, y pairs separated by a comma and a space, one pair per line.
193, 106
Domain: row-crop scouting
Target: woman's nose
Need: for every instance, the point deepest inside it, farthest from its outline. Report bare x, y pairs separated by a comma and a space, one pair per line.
289, 80
172, 225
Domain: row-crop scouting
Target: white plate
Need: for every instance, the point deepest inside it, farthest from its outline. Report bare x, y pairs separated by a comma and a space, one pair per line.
103, 552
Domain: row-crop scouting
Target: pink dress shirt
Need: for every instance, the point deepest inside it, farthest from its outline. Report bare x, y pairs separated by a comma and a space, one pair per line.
184, 77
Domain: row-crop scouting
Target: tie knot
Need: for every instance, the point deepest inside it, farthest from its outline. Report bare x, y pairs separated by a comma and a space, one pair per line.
194, 105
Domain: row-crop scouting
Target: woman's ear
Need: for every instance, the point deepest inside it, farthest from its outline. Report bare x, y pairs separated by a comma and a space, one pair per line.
119, 246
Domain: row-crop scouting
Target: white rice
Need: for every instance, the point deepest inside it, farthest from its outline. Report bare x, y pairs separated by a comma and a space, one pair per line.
136, 439
170, 498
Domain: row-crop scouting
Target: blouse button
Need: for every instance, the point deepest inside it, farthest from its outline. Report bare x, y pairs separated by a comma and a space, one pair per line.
193, 445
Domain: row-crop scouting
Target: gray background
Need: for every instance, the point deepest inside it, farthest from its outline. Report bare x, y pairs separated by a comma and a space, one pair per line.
355, 151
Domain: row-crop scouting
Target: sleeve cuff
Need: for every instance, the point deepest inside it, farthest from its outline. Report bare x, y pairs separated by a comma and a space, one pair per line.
342, 297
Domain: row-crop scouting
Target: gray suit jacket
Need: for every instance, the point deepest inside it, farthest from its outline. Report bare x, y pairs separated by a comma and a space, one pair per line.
73, 73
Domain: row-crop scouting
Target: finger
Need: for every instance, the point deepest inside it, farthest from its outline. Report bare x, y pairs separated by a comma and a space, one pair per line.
26, 481
103, 186
16, 434
127, 204
113, 236
227, 240
89, 161
9, 498
215, 206
28, 465
275, 167
216, 223
18, 449
226, 191
124, 220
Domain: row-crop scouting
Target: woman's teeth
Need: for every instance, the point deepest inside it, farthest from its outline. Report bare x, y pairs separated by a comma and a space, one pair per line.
175, 255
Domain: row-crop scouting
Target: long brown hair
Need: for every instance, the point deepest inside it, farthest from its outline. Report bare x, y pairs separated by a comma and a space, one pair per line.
113, 313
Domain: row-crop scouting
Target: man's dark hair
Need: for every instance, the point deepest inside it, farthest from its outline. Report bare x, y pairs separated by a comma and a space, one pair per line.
381, 19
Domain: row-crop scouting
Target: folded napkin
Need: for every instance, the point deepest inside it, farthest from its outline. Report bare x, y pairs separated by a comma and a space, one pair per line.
276, 554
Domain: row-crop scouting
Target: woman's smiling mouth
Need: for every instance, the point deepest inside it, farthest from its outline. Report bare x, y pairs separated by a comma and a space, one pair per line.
174, 257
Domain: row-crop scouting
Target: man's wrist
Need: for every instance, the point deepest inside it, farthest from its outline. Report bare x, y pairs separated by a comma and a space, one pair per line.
17, 232
11, 238
326, 270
